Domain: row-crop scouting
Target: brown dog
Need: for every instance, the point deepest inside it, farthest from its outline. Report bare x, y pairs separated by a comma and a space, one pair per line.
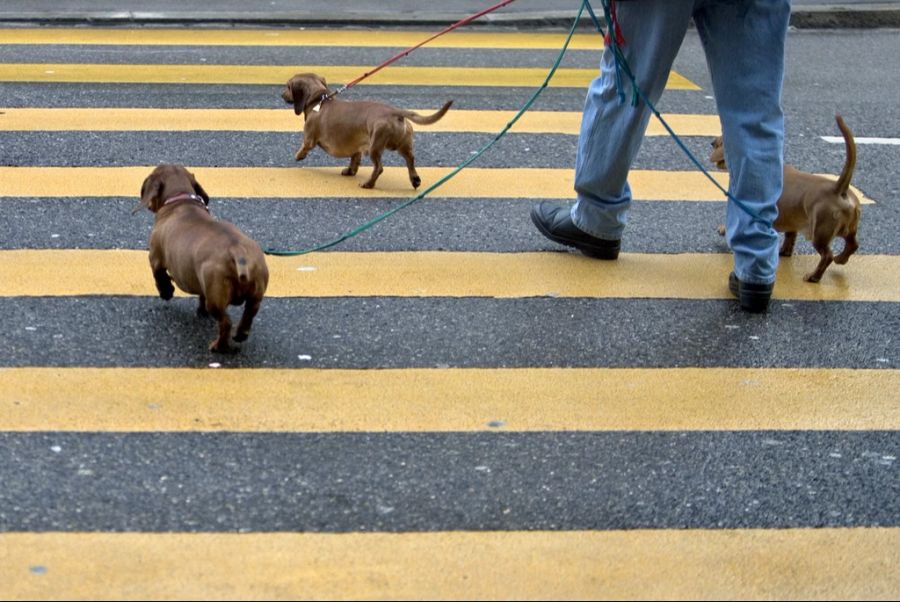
818, 207
203, 256
350, 129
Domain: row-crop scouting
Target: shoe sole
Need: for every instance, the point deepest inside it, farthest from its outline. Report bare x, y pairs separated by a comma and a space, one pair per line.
589, 250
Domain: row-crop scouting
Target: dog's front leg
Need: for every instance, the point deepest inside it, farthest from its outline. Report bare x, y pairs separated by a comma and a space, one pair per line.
163, 283
309, 143
787, 246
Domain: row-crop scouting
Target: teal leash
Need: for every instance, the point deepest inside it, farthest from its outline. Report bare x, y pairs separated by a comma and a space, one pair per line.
459, 168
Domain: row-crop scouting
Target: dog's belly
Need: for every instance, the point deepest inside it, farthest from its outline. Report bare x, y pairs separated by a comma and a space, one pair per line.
343, 151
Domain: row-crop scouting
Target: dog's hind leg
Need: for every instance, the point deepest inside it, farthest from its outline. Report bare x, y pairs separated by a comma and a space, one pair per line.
351, 169
201, 308
221, 343
218, 293
243, 328
850, 247
826, 257
407, 153
378, 138
376, 168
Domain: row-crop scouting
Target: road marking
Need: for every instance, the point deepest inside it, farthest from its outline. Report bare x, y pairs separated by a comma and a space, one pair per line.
840, 140
278, 75
294, 37
326, 182
446, 400
284, 120
460, 274
827, 564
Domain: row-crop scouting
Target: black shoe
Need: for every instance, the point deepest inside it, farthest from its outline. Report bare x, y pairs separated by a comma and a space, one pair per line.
556, 224
753, 297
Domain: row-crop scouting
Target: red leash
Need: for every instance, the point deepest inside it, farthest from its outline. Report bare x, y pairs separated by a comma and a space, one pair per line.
393, 59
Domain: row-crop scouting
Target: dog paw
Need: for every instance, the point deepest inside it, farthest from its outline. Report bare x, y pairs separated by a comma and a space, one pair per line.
416, 182
812, 278
218, 346
241, 336
167, 293
300, 156
368, 185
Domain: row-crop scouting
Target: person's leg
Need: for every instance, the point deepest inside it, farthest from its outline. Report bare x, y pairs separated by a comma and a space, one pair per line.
744, 42
612, 131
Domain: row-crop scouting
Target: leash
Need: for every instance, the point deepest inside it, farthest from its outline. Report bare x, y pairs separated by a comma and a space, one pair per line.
615, 40
408, 51
459, 168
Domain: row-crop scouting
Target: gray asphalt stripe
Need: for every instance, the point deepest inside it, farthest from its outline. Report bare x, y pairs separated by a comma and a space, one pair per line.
219, 482
434, 224
399, 332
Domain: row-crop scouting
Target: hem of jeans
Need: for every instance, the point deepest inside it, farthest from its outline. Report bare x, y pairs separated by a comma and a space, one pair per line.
595, 233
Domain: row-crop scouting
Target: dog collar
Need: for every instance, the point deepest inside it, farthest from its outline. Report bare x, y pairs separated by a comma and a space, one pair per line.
321, 100
186, 196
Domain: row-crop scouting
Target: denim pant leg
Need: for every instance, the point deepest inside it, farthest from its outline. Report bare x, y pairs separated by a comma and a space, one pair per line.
611, 130
744, 42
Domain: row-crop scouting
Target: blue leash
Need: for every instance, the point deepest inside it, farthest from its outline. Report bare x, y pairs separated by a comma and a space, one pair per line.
638, 94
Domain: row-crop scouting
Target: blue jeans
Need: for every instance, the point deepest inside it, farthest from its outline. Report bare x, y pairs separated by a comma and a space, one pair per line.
744, 45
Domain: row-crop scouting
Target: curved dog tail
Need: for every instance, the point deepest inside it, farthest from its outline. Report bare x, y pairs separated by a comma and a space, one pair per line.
423, 120
843, 183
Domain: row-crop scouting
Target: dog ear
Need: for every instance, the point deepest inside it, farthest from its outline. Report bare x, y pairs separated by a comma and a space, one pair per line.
298, 93
322, 80
199, 189
151, 192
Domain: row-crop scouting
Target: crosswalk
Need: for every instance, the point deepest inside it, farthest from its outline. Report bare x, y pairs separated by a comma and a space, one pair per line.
446, 406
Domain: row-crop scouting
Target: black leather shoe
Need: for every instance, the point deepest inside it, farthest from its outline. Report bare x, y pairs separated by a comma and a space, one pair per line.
753, 297
556, 224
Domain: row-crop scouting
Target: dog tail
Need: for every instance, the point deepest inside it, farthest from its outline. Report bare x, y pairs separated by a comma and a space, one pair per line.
422, 120
843, 183
240, 265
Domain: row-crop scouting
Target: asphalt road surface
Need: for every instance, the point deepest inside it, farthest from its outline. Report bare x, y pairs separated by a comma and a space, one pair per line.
447, 405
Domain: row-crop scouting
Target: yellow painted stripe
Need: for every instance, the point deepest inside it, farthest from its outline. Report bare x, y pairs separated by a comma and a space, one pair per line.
295, 37
317, 182
458, 274
284, 120
803, 564
446, 400
264, 74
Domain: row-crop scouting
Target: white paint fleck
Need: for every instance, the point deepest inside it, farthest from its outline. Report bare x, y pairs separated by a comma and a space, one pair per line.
307, 268
215, 365
304, 357
483, 468
55, 449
